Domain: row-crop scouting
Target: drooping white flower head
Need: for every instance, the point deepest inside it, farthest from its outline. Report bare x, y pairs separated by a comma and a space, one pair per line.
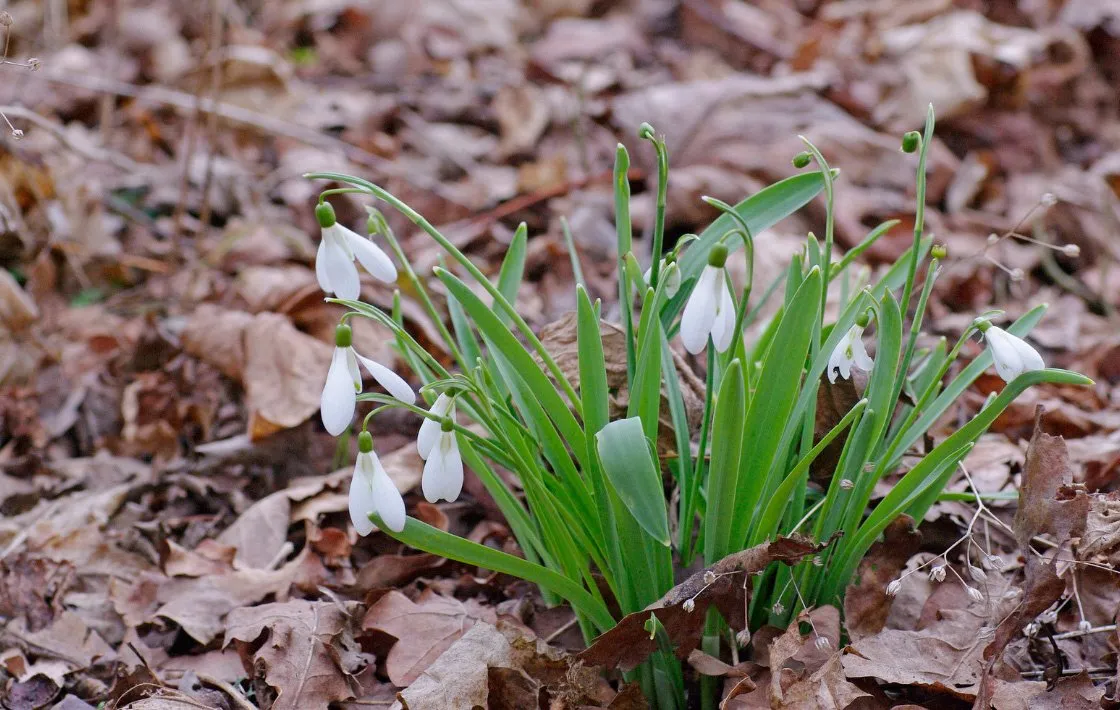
344, 382
1011, 354
443, 471
372, 491
672, 276
849, 352
334, 261
710, 309
430, 429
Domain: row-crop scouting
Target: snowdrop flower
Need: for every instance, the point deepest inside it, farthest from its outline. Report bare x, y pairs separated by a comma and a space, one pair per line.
344, 382
1011, 354
334, 262
849, 352
672, 276
710, 309
372, 491
430, 429
443, 471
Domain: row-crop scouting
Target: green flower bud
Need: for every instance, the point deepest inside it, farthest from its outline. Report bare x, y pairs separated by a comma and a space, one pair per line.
802, 159
911, 141
645, 131
343, 336
365, 442
325, 214
717, 257
939, 251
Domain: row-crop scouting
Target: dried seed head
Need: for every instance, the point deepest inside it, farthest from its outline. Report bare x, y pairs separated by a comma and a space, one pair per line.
993, 239
1017, 274
893, 587
1032, 629
822, 643
1048, 199
937, 574
1071, 250
986, 632
709, 577
743, 638
778, 608
818, 561
17, 133
1049, 616
689, 605
1084, 625
977, 574
994, 562
34, 64
974, 594
5, 19
847, 484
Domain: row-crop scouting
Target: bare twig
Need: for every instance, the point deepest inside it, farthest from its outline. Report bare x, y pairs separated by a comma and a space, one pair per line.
58, 131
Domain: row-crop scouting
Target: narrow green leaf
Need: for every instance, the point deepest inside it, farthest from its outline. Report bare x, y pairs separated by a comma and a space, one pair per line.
513, 267
727, 447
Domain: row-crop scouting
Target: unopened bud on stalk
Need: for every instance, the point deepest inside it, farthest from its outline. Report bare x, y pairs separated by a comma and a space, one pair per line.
1071, 250
910, 141
645, 131
802, 159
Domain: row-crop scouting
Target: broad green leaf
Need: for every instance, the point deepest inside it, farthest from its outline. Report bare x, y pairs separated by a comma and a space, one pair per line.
629, 465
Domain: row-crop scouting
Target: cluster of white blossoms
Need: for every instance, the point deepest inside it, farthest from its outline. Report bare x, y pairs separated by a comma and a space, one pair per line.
371, 489
709, 313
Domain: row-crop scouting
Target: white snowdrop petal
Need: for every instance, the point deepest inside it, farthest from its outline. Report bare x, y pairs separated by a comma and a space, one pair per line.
393, 383
339, 399
387, 499
452, 468
352, 368
723, 328
340, 272
1008, 362
859, 355
1029, 357
321, 268
372, 258
430, 428
700, 312
361, 497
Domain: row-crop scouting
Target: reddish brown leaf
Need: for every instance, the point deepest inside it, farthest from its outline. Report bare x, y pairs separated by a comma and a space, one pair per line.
628, 643
1047, 501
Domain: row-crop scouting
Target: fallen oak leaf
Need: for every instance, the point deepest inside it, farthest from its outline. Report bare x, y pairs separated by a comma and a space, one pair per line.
424, 629
629, 643
303, 652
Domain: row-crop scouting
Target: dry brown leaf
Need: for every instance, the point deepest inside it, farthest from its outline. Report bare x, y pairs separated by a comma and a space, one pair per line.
17, 308
281, 368
628, 643
207, 558
424, 629
260, 532
308, 652
457, 677
945, 657
825, 689
199, 605
1047, 501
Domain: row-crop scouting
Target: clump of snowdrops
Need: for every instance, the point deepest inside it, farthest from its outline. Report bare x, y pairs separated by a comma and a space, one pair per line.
594, 494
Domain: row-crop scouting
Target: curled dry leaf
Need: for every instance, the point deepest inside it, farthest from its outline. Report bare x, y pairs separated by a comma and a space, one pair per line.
628, 643
305, 650
424, 629
1048, 503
